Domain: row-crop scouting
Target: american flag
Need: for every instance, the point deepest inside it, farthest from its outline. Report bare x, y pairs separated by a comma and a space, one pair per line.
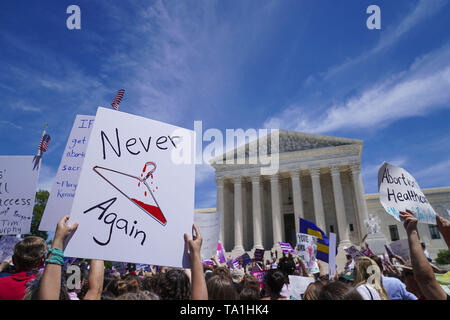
118, 99
286, 247
45, 141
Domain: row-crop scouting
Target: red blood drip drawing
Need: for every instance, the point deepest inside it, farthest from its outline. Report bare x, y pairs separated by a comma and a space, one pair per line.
115, 179
154, 211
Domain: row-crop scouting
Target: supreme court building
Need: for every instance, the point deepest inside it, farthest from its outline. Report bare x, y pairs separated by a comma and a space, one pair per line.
318, 179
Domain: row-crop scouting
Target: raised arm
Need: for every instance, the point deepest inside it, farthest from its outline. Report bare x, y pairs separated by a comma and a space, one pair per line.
51, 279
305, 272
96, 277
443, 226
198, 287
423, 273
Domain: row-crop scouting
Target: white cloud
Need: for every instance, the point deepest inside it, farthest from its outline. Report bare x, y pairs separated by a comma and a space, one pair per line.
9, 123
423, 10
421, 89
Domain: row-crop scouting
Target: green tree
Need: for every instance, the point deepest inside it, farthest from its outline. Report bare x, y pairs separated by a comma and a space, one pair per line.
443, 257
38, 211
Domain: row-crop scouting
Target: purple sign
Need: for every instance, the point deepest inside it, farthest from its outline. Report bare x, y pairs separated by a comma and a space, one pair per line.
259, 254
208, 262
286, 247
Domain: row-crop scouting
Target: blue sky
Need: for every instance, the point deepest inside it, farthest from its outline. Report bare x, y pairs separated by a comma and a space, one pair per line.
310, 66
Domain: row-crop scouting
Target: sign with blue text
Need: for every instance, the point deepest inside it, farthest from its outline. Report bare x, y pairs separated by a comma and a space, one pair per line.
18, 182
399, 191
135, 197
65, 184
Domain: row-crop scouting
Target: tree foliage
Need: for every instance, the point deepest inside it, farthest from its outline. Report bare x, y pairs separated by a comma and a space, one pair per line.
38, 210
443, 257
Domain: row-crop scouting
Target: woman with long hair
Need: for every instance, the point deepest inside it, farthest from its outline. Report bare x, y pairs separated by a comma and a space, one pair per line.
368, 280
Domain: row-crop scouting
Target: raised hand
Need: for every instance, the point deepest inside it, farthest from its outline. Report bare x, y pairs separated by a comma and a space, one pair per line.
195, 243
409, 221
62, 232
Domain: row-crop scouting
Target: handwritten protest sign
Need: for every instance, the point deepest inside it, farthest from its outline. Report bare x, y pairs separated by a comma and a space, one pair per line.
209, 226
7, 244
61, 197
18, 182
298, 285
332, 256
306, 249
135, 197
400, 191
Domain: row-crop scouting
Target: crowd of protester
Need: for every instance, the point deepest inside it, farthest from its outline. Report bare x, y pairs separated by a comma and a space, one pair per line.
37, 273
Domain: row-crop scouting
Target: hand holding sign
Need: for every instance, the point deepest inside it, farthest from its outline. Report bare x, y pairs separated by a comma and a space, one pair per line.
63, 231
409, 221
195, 244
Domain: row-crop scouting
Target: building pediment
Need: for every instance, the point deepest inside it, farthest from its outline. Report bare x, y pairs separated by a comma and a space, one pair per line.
289, 142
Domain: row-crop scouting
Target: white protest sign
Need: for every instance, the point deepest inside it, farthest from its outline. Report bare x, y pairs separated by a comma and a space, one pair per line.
332, 255
7, 244
400, 248
399, 191
209, 227
298, 285
18, 182
135, 197
306, 249
60, 201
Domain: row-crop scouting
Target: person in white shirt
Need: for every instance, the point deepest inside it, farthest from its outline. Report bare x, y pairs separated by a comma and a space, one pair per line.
350, 264
368, 279
274, 263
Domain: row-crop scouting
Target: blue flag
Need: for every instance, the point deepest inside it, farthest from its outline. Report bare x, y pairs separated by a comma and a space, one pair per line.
308, 227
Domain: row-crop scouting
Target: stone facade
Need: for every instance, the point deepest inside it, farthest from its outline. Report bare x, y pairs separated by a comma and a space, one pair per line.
319, 179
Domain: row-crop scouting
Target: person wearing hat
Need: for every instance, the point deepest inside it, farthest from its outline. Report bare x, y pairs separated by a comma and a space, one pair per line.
394, 287
423, 272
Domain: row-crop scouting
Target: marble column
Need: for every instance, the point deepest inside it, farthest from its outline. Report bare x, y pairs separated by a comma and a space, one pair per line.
317, 197
238, 220
360, 199
339, 205
276, 210
221, 207
257, 215
298, 200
